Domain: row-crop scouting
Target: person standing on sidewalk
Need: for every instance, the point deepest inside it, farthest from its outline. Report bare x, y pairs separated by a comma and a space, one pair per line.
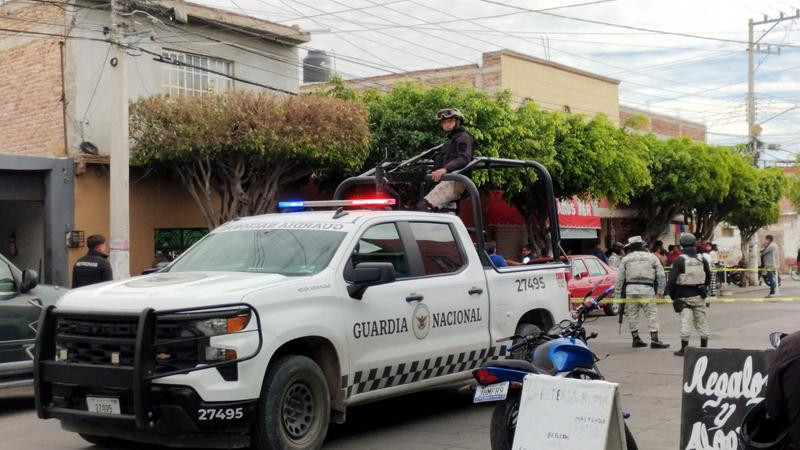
689, 281
769, 255
94, 266
640, 275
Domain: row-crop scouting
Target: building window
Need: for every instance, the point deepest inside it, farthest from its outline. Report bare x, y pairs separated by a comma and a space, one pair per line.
184, 80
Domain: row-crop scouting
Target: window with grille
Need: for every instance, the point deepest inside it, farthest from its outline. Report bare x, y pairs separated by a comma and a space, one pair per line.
195, 80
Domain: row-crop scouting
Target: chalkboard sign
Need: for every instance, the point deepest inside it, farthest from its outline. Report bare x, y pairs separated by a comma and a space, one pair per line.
719, 386
569, 414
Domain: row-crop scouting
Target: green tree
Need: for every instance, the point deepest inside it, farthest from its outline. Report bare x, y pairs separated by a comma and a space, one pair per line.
234, 151
687, 177
759, 205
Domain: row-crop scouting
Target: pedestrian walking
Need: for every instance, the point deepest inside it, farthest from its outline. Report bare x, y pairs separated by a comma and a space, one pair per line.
641, 276
454, 155
94, 266
769, 257
689, 281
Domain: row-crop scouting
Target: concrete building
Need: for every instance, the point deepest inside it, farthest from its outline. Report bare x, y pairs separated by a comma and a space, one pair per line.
551, 85
55, 82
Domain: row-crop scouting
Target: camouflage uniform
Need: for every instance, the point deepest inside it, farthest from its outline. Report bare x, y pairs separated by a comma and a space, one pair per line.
694, 311
642, 276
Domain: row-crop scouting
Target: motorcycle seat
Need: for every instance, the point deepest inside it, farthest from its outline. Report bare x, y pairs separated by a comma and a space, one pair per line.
514, 364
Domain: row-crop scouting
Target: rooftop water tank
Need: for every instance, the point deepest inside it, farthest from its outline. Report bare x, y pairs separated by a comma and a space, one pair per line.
316, 66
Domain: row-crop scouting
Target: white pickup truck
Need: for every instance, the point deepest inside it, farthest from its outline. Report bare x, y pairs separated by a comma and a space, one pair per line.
271, 326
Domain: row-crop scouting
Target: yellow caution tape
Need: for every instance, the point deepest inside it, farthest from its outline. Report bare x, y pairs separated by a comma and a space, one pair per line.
576, 300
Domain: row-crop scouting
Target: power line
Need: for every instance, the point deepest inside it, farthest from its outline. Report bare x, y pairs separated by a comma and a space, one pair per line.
627, 27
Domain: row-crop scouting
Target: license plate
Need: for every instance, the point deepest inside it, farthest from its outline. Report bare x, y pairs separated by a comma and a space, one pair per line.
103, 405
491, 393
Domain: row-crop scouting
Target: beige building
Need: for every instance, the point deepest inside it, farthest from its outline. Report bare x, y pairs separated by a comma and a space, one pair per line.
551, 85
55, 109
663, 126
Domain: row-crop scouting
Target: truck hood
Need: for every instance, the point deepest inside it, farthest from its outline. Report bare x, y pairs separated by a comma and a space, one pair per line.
170, 290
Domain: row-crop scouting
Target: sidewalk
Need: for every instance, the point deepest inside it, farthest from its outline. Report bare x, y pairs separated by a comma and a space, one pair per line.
730, 290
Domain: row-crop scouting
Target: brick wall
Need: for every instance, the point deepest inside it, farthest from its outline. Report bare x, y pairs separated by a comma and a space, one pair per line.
31, 120
667, 126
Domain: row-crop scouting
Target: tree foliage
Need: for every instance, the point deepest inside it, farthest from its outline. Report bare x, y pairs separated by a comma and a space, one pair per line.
234, 151
759, 204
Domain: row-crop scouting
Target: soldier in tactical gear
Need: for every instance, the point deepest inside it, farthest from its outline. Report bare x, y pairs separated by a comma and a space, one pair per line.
689, 281
454, 155
640, 275
94, 266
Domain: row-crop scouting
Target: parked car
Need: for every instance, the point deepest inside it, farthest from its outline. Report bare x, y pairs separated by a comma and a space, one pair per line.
587, 270
21, 300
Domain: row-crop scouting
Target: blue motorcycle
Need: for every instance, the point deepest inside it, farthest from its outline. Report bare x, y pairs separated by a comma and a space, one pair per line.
560, 352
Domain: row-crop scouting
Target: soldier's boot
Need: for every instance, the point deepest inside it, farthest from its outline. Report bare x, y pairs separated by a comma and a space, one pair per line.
637, 341
684, 344
703, 342
654, 342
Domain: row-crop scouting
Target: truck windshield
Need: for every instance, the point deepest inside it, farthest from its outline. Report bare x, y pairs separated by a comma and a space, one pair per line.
285, 252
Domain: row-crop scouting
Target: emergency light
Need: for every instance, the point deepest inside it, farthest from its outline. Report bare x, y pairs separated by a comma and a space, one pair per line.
337, 203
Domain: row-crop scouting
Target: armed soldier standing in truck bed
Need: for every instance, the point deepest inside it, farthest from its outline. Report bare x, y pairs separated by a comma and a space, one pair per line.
454, 155
640, 275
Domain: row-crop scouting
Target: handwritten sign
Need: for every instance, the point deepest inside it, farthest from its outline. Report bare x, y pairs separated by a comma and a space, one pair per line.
566, 414
719, 386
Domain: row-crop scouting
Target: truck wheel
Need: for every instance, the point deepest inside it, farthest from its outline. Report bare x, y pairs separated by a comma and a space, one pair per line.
103, 441
524, 329
294, 407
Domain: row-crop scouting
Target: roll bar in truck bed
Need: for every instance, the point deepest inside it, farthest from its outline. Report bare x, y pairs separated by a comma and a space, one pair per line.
415, 170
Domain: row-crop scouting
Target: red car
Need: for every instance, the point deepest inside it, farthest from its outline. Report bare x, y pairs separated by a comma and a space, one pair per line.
586, 271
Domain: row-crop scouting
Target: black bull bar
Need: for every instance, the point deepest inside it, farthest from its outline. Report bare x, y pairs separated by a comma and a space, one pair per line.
136, 378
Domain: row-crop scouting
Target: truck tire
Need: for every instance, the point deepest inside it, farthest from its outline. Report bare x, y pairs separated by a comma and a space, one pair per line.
523, 329
294, 407
103, 441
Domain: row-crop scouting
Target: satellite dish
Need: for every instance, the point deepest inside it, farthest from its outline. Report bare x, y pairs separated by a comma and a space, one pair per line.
88, 148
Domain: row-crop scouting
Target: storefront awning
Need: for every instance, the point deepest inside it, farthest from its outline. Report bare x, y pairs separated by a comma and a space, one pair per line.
572, 213
578, 233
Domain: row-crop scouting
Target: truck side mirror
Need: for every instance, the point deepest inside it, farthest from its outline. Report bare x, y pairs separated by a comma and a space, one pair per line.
368, 274
29, 280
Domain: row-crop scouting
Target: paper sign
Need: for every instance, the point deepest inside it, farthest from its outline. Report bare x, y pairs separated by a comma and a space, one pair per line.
566, 414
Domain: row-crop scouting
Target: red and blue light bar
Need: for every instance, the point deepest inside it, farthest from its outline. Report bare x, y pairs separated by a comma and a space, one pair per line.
338, 203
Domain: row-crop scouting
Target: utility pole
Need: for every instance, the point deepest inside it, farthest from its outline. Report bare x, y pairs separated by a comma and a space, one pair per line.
753, 129
119, 239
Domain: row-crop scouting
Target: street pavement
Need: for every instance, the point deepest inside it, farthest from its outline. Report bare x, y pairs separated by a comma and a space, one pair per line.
650, 383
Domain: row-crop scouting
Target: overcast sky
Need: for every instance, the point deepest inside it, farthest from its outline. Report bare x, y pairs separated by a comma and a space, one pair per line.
704, 80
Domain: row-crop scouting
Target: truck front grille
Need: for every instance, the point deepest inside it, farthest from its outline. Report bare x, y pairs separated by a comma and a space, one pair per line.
113, 342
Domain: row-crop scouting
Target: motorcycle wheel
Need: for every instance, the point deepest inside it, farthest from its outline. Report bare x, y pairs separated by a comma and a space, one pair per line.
629, 441
504, 422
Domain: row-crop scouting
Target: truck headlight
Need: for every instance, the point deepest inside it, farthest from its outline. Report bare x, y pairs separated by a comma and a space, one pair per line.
222, 325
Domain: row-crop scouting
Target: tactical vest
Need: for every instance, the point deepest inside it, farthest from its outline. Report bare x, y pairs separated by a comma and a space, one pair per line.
640, 270
693, 272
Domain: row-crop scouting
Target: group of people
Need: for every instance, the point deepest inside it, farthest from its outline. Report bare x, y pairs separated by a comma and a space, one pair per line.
642, 279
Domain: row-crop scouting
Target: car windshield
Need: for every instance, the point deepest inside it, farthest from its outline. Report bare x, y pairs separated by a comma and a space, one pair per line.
285, 252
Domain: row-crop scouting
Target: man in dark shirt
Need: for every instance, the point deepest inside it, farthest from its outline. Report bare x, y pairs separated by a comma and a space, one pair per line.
94, 266
783, 387
454, 155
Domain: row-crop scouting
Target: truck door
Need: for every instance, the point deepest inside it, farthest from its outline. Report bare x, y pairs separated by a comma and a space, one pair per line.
388, 328
455, 295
